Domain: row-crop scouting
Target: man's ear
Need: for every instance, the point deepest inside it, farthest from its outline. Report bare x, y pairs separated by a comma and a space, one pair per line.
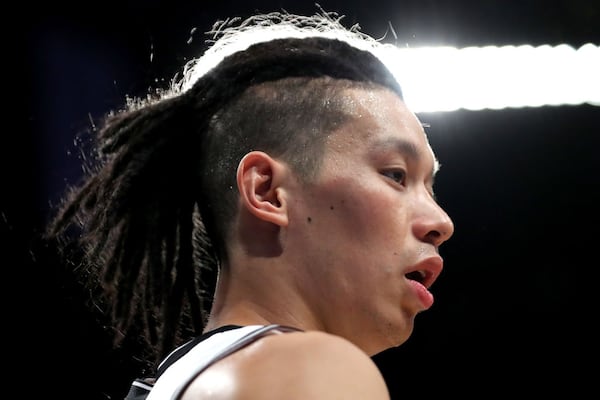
259, 179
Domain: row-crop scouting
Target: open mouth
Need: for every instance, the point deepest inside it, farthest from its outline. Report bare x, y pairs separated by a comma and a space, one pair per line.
426, 271
418, 276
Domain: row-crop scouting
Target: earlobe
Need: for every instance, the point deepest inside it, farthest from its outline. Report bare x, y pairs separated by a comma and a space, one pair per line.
259, 179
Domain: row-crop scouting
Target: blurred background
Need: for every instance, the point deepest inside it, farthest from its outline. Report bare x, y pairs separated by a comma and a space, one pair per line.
515, 309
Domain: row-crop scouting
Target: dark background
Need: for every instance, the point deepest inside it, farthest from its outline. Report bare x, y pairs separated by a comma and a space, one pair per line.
515, 309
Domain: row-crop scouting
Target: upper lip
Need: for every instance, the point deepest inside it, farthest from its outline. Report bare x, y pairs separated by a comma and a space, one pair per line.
428, 270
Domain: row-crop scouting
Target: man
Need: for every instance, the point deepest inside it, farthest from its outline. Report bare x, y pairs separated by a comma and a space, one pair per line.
293, 165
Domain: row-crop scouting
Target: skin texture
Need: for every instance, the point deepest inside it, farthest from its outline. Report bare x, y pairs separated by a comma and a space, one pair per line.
295, 366
331, 257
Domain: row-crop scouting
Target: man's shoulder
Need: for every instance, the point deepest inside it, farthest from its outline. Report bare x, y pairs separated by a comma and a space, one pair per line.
294, 365
308, 346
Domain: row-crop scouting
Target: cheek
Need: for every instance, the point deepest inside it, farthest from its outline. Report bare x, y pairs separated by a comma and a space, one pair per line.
369, 215
357, 213
373, 230
362, 233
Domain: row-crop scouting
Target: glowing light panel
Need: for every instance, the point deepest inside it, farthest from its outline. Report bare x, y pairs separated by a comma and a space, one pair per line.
475, 78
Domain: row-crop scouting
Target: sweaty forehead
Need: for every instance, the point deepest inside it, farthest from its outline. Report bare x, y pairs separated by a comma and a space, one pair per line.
381, 104
379, 120
380, 112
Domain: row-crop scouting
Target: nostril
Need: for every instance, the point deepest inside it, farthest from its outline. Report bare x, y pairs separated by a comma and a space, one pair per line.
433, 237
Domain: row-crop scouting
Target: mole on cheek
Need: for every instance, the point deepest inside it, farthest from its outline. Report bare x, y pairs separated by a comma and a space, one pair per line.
309, 220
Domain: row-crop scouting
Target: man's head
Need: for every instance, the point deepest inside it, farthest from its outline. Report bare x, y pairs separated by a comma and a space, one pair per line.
314, 162
283, 96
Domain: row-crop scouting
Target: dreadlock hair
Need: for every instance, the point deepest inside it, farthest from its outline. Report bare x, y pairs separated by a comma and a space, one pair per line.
154, 209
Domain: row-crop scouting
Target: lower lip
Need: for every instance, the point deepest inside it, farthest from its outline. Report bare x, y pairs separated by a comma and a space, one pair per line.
423, 294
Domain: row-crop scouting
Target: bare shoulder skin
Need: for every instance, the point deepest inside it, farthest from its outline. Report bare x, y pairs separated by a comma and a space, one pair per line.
305, 365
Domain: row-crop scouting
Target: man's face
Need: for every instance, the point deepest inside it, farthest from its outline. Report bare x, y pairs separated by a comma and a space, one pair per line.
370, 225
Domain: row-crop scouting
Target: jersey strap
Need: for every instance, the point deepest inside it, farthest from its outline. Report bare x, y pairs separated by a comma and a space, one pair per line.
140, 389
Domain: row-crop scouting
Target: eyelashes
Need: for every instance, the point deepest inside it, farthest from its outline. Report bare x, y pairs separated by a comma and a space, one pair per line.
397, 175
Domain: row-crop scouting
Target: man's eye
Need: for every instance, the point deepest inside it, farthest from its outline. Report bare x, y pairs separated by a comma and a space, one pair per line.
395, 175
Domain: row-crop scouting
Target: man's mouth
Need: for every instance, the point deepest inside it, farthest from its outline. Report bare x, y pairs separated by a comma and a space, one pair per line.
426, 271
418, 276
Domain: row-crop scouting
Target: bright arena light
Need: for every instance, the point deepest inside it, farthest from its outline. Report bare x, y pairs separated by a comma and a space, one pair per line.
475, 78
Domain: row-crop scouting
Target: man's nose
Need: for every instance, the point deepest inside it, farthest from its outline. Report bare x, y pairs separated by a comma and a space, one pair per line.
433, 225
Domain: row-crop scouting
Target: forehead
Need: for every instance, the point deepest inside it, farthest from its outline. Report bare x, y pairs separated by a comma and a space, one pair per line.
379, 119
